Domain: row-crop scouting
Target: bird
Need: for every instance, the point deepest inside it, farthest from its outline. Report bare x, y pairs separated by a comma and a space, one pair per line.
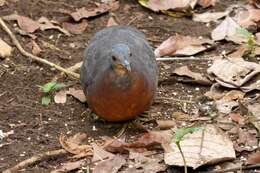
119, 73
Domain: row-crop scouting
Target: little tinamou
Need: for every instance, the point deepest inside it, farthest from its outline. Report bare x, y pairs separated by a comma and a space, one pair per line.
119, 73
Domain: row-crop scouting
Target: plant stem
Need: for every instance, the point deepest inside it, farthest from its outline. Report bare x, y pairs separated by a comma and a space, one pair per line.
182, 155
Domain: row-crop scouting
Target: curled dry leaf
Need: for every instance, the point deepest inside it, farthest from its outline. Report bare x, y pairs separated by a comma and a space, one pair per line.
36, 50
191, 77
69, 166
60, 97
78, 94
75, 28
182, 45
111, 165
236, 73
208, 16
46, 24
229, 101
5, 49
73, 145
206, 146
249, 18
25, 23
85, 13
227, 29
166, 124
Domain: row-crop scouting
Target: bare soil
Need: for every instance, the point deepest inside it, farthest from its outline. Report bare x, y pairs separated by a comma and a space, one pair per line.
37, 128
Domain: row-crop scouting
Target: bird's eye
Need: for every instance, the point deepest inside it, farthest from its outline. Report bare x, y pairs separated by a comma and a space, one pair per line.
114, 58
130, 54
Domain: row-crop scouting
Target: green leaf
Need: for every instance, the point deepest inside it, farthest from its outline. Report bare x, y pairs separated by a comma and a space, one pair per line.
244, 32
46, 100
180, 133
51, 86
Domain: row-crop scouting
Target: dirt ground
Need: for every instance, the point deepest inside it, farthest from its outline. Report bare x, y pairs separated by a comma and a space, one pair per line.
37, 128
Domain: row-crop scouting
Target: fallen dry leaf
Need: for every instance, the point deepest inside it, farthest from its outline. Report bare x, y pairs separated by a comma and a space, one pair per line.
36, 50
78, 94
157, 5
75, 28
247, 140
2, 3
166, 124
25, 23
100, 154
227, 29
254, 114
182, 45
206, 146
73, 145
69, 166
5, 49
148, 162
254, 158
209, 16
191, 77
249, 18
46, 24
235, 73
207, 3
237, 118
111, 22
60, 97
111, 165
85, 13
256, 3
216, 92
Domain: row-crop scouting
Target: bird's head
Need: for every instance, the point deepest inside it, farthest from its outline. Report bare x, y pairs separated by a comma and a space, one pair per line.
120, 59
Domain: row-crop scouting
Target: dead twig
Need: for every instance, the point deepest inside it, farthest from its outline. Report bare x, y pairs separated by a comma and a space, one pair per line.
36, 158
235, 169
29, 55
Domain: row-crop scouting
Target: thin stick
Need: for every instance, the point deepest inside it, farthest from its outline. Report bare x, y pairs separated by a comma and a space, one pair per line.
182, 58
234, 169
36, 158
29, 55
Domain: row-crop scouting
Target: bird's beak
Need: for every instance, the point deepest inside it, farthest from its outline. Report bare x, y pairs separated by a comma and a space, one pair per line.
126, 64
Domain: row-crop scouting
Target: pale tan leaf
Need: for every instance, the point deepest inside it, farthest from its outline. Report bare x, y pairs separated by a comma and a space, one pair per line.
249, 18
46, 24
5, 49
86, 13
75, 28
234, 73
166, 124
206, 146
209, 16
182, 45
191, 76
69, 166
2, 3
207, 3
254, 118
26, 24
60, 97
254, 158
111, 22
227, 29
78, 94
111, 165
100, 154
157, 5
